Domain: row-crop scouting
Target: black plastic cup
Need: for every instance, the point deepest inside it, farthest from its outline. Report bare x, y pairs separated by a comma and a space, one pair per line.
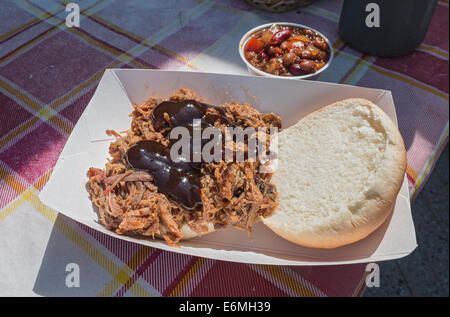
385, 27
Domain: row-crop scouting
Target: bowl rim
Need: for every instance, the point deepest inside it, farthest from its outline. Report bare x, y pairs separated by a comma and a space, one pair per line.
247, 35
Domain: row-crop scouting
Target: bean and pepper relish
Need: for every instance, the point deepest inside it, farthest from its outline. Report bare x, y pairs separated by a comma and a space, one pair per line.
287, 50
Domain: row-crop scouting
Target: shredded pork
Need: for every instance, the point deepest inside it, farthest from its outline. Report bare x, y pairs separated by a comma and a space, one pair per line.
232, 193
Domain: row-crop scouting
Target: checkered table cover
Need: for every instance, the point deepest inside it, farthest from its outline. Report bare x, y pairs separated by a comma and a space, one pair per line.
49, 72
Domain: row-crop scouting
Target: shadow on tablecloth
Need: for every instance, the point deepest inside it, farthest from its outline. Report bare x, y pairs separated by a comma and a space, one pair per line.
68, 245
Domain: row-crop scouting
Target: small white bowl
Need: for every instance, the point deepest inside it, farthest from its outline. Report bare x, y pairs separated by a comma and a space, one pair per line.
254, 71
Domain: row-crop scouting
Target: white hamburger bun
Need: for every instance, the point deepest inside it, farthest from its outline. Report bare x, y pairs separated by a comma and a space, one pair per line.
339, 172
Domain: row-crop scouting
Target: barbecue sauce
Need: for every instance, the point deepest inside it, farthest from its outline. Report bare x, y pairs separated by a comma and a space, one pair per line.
180, 181
184, 112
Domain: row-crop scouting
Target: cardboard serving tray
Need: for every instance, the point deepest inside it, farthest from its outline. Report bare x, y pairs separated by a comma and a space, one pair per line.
110, 107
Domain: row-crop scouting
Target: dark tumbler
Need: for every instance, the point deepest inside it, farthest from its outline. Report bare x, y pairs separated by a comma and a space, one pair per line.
385, 27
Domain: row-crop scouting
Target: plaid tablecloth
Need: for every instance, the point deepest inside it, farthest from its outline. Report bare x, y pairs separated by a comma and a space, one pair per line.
49, 72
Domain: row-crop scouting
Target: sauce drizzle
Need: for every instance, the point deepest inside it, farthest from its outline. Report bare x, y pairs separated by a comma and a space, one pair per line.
180, 181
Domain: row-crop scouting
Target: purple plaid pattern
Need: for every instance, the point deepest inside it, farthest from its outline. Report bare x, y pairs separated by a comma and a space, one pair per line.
48, 73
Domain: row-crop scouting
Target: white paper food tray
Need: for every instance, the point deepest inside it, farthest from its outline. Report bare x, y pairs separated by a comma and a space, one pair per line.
109, 108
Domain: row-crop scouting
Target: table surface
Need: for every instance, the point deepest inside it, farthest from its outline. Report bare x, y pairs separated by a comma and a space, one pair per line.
49, 72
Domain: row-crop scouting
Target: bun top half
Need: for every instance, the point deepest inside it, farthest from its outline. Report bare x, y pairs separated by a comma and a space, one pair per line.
339, 172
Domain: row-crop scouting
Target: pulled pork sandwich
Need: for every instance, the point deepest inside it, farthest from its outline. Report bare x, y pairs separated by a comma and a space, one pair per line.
143, 191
